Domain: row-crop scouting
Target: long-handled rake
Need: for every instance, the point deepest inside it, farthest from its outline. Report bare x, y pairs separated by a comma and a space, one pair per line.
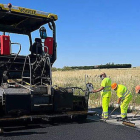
137, 112
129, 123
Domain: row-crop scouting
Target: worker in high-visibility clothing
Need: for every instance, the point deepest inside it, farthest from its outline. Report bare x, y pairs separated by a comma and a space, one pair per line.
137, 89
105, 94
124, 98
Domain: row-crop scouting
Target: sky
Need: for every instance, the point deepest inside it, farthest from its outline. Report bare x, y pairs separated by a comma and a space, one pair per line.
89, 32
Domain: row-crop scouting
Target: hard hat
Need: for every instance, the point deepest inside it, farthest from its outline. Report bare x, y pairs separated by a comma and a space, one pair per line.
137, 88
114, 85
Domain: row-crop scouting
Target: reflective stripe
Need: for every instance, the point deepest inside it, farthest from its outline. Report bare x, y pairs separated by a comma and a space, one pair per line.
123, 114
105, 114
107, 88
125, 94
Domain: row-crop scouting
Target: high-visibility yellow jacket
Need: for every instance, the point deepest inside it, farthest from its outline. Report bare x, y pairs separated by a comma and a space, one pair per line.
106, 83
122, 92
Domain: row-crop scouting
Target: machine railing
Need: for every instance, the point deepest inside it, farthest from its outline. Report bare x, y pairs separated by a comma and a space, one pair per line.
33, 66
19, 48
29, 69
15, 54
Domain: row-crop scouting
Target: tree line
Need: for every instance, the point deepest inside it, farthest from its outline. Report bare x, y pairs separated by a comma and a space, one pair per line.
106, 66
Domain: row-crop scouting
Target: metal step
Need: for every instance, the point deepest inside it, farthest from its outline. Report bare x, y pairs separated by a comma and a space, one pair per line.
37, 105
47, 78
26, 77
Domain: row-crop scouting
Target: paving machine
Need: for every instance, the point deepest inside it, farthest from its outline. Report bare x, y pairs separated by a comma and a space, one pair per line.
26, 90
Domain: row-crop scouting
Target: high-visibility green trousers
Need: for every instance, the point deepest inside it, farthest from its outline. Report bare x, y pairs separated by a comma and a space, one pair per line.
124, 105
105, 105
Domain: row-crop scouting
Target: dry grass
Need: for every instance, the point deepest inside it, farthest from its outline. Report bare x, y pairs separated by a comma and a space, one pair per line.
128, 77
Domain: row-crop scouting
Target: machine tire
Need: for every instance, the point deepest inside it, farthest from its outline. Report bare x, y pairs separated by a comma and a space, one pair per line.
1, 111
80, 118
1, 131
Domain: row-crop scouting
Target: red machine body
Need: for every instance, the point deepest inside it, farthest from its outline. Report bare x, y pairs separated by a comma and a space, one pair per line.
48, 43
5, 45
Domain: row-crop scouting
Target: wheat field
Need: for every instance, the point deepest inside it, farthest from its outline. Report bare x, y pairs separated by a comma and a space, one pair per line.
129, 77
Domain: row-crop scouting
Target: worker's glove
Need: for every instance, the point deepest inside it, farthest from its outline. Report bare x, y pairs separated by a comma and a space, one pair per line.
90, 87
117, 105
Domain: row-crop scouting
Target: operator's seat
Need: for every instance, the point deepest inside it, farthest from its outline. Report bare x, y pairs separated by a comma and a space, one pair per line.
37, 47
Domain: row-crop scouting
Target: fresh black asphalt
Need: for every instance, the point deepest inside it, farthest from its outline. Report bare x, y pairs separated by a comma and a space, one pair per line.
89, 130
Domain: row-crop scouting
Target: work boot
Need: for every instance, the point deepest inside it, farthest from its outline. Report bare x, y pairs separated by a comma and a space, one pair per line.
119, 119
104, 118
125, 119
122, 119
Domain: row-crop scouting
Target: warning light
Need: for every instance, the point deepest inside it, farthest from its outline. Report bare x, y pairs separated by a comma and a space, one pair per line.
9, 5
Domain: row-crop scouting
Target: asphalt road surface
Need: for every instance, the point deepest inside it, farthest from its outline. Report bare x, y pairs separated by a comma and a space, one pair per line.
90, 130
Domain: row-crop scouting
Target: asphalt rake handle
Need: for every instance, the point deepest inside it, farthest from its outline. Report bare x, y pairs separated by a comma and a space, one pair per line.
112, 112
137, 112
